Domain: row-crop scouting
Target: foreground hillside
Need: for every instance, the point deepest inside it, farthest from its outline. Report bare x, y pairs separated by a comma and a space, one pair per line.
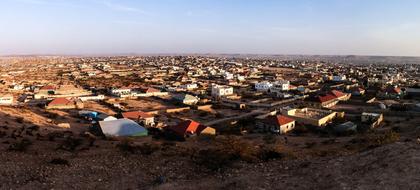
62, 160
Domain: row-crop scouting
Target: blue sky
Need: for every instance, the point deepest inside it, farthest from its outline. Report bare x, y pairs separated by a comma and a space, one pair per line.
362, 27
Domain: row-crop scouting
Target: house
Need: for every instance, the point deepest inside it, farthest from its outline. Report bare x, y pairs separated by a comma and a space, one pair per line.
185, 99
122, 128
48, 89
281, 86
339, 78
278, 124
91, 115
92, 98
219, 91
341, 96
189, 86
190, 128
373, 119
310, 116
330, 99
357, 91
119, 92
64, 103
140, 117
6, 99
263, 86
105, 117
391, 92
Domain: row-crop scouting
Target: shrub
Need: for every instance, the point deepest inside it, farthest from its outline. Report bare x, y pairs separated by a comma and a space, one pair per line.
59, 161
147, 148
267, 154
382, 139
70, 144
270, 139
20, 146
214, 159
126, 146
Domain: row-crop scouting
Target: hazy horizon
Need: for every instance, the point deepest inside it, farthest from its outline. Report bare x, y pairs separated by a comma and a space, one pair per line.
110, 27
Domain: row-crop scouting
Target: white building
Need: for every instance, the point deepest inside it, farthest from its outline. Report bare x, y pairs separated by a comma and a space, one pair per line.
189, 86
263, 86
228, 76
120, 91
339, 78
220, 91
6, 99
283, 85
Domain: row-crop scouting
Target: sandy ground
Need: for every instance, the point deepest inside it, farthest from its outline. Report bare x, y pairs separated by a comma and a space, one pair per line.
105, 167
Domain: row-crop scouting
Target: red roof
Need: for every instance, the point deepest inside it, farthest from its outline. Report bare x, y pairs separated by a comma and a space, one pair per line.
60, 101
134, 115
392, 90
326, 98
337, 93
187, 127
48, 87
281, 120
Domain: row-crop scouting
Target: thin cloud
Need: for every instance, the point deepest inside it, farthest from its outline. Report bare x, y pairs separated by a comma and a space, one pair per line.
123, 8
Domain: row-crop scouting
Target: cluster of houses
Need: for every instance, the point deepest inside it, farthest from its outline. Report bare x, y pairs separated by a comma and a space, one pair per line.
301, 92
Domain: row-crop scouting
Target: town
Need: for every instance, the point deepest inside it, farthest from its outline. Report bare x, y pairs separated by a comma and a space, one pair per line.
300, 103
194, 95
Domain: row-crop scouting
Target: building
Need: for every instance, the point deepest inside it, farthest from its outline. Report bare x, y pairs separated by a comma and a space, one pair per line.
140, 117
358, 91
6, 99
391, 92
281, 86
311, 116
219, 91
339, 78
341, 96
330, 99
185, 99
190, 128
263, 86
120, 91
122, 128
373, 119
277, 124
92, 98
189, 86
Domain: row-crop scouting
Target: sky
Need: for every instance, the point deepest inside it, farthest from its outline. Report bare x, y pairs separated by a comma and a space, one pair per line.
321, 27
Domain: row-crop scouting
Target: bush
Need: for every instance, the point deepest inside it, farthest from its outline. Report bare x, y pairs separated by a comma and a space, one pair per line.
267, 154
59, 161
147, 148
70, 144
214, 159
382, 139
20, 146
270, 139
126, 146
